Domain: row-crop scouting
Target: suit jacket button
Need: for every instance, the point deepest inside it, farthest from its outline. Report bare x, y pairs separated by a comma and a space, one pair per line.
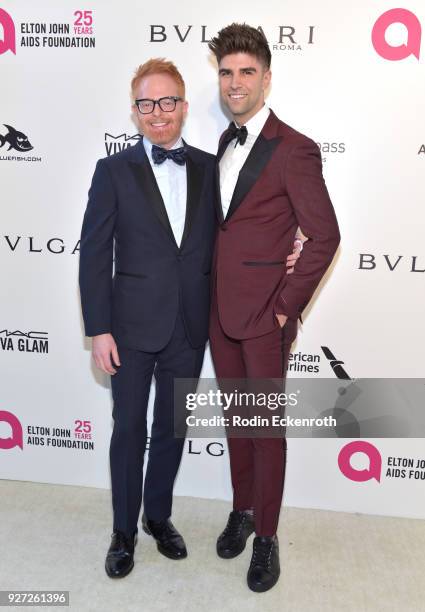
223, 227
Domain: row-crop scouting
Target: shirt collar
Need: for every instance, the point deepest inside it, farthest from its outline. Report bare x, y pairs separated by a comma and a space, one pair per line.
256, 123
148, 145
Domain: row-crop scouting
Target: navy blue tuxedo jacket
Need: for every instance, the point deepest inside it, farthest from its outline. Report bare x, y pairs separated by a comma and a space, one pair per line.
137, 296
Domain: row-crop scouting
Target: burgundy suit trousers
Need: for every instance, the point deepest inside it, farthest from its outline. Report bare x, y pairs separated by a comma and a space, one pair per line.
257, 464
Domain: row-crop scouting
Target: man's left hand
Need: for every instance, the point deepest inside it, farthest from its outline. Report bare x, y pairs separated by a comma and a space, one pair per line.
292, 258
282, 319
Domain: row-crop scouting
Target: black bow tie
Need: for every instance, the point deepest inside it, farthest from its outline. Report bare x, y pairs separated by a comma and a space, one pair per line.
159, 155
234, 132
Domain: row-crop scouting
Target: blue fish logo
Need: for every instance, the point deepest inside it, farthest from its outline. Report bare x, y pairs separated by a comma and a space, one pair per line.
16, 140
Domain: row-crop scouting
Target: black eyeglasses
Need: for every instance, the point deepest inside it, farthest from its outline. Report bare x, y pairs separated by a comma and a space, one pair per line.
166, 104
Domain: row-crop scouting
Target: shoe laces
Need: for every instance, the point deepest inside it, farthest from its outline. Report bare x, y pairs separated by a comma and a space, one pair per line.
262, 553
169, 531
122, 539
235, 524
163, 529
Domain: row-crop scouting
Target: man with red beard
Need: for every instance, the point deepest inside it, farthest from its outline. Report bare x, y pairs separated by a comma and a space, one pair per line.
151, 208
271, 183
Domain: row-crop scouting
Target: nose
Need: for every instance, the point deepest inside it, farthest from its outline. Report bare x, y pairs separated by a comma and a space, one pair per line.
235, 82
156, 110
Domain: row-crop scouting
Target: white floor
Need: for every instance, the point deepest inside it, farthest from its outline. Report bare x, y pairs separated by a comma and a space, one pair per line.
56, 537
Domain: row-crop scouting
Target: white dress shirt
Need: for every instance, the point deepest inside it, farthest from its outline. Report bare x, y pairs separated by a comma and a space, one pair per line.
172, 183
234, 157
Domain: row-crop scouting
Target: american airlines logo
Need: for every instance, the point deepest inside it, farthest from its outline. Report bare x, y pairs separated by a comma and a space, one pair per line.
336, 364
311, 363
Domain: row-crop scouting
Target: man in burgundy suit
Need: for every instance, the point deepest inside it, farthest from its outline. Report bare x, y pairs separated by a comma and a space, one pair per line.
271, 183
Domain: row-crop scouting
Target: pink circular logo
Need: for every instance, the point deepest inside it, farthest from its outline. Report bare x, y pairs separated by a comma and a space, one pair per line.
399, 52
9, 39
17, 437
375, 461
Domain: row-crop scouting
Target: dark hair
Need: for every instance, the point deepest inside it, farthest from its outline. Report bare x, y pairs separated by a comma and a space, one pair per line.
241, 38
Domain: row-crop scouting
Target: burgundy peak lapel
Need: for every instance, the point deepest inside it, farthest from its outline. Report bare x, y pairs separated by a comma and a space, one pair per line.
256, 161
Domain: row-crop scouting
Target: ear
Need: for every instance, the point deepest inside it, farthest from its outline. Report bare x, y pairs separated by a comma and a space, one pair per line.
267, 77
185, 107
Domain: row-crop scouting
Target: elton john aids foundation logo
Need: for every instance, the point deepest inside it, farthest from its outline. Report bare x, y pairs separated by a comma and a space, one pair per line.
9, 40
413, 33
16, 439
374, 456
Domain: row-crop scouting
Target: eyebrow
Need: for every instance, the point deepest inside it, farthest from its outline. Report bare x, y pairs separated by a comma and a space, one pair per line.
244, 69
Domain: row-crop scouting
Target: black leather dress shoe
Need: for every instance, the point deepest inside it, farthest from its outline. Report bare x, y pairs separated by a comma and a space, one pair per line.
264, 570
119, 560
168, 540
232, 541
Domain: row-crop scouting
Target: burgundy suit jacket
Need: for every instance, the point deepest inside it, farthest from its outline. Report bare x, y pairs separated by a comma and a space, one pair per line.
280, 187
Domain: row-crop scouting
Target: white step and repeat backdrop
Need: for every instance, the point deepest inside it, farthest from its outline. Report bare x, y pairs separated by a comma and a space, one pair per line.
351, 76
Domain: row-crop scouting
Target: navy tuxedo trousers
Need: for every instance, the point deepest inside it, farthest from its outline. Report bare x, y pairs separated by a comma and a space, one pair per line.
130, 390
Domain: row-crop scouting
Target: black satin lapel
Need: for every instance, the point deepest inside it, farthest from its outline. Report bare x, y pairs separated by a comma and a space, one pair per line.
147, 182
255, 163
195, 178
217, 198
222, 146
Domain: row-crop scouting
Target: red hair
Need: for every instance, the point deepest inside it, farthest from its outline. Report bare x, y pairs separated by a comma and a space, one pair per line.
158, 66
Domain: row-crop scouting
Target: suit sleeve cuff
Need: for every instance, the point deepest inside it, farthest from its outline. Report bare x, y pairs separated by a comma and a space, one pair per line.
280, 307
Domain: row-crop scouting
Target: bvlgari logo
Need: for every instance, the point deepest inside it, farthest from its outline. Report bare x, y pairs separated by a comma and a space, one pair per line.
115, 144
391, 263
195, 447
214, 449
33, 244
280, 38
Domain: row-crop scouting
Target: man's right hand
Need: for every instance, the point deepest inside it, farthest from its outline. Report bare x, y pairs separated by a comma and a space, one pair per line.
103, 347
